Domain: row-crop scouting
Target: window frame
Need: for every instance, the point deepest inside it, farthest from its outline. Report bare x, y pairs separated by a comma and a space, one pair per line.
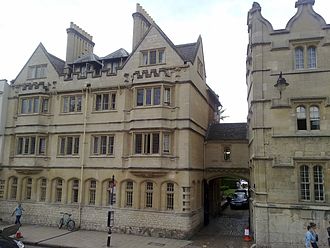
37, 71
92, 191
149, 194
304, 119
305, 55
43, 189
71, 103
155, 56
33, 105
2, 188
170, 191
58, 184
129, 194
31, 145
100, 103
64, 145
97, 147
308, 186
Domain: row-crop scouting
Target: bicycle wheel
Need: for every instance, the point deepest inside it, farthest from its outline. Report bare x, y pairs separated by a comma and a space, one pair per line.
71, 224
60, 224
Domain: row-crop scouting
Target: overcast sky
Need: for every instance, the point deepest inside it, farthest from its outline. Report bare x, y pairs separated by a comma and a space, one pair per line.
221, 23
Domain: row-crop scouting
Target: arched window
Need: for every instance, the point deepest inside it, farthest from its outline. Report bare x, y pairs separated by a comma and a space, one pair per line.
28, 188
314, 117
43, 189
58, 190
75, 191
13, 188
2, 188
170, 196
92, 192
311, 55
129, 194
299, 58
149, 194
111, 192
301, 118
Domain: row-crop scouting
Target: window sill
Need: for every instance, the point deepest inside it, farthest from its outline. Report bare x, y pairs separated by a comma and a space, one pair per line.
67, 156
104, 111
30, 156
34, 114
102, 156
153, 106
151, 156
149, 65
71, 113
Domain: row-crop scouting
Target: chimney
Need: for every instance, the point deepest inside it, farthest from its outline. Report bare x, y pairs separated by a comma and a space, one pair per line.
142, 22
78, 44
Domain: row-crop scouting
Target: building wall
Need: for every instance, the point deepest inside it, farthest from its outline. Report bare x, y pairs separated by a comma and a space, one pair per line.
278, 147
46, 181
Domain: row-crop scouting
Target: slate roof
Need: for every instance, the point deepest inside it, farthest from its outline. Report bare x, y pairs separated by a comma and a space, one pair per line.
187, 51
91, 57
227, 131
120, 53
57, 63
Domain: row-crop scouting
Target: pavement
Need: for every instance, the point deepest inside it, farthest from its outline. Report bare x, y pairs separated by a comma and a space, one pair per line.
44, 236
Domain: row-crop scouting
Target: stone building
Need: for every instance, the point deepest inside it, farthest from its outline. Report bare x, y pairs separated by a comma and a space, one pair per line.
288, 75
4, 88
141, 117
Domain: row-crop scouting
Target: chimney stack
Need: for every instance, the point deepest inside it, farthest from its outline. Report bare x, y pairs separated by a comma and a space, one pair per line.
79, 43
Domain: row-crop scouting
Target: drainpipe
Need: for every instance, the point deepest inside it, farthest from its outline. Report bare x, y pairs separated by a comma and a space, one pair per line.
81, 188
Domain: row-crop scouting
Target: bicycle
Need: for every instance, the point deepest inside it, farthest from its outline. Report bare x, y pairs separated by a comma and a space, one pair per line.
67, 222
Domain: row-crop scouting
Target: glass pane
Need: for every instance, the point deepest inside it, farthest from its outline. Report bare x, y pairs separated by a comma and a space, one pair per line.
96, 145
36, 105
148, 96
299, 58
98, 102
79, 104
156, 96
152, 55
72, 103
161, 56
155, 143
311, 57
139, 97
69, 145
138, 143
105, 102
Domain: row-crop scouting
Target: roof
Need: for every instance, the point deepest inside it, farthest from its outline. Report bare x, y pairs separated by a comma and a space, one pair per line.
57, 63
120, 53
187, 51
227, 131
87, 58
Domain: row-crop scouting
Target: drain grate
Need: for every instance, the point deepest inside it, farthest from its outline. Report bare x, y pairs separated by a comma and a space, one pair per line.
156, 244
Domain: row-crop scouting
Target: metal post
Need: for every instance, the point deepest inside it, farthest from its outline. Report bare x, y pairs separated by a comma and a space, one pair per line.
111, 212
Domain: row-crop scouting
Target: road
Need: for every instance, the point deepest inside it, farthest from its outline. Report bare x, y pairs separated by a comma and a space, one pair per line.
224, 231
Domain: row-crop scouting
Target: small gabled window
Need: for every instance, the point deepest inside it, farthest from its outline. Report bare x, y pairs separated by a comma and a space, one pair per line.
37, 71
153, 57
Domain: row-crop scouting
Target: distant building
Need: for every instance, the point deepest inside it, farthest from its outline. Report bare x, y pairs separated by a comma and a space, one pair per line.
140, 116
288, 124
